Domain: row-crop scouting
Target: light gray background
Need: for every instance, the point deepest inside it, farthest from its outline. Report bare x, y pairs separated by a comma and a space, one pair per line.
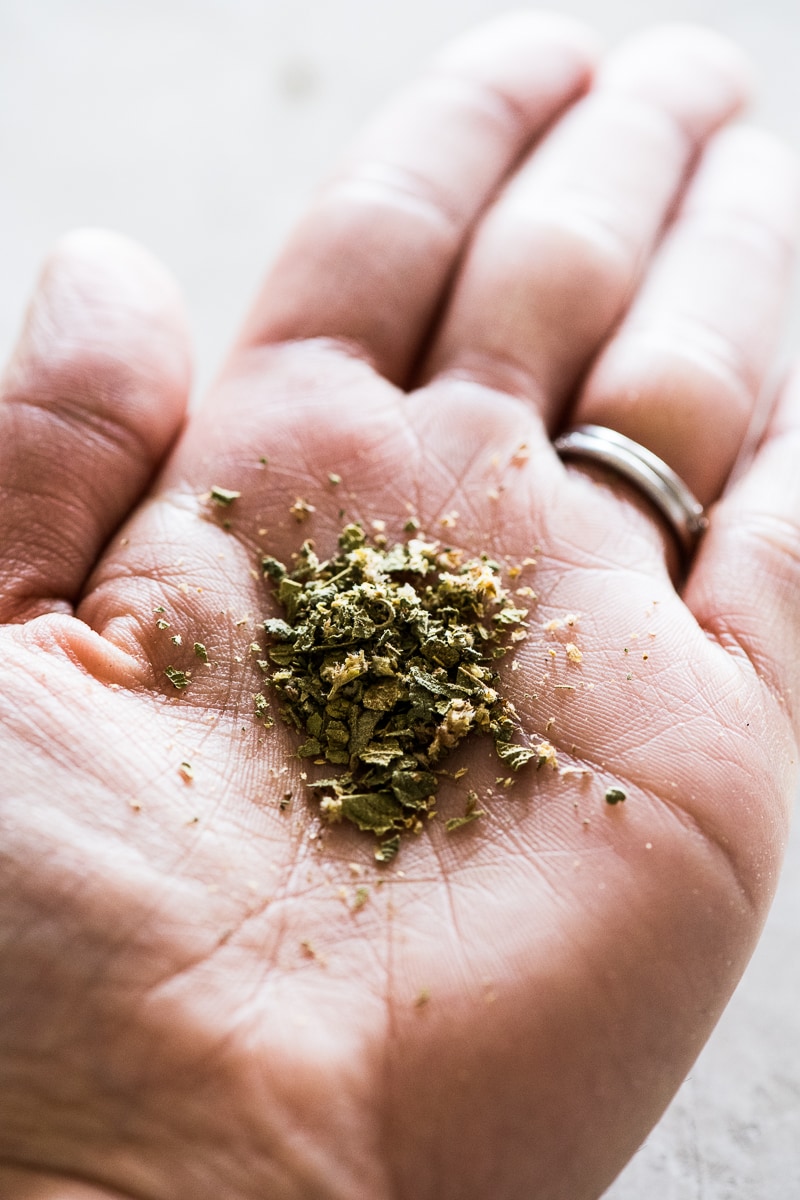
200, 129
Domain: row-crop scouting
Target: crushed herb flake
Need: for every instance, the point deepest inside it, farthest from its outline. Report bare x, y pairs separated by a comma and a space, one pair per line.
615, 795
178, 679
382, 662
301, 510
201, 652
261, 707
223, 496
460, 822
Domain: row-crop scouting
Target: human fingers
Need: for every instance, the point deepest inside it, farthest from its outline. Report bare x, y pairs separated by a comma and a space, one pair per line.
746, 579
555, 261
91, 401
685, 370
369, 263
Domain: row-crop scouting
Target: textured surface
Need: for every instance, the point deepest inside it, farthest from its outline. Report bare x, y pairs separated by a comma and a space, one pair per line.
200, 129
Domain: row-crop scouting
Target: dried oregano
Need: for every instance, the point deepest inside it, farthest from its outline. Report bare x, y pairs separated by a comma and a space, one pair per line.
383, 663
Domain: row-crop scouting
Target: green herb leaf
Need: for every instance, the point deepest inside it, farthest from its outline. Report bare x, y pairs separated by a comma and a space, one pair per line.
223, 496
179, 679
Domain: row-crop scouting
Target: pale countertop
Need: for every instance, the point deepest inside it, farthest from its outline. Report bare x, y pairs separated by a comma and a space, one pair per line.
200, 129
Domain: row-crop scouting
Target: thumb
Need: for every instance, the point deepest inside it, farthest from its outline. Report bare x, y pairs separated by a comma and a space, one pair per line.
90, 403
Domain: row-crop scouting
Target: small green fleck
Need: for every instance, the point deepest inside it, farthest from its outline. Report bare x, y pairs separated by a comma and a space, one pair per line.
388, 849
516, 756
261, 706
615, 795
201, 652
223, 496
334, 480
162, 624
159, 609
460, 822
176, 639
361, 898
411, 525
178, 679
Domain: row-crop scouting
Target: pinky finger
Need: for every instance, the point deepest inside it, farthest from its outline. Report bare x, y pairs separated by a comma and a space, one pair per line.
745, 584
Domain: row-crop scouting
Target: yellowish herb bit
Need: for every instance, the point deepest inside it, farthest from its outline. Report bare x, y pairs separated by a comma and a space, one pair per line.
261, 706
334, 480
223, 496
471, 813
179, 679
382, 661
301, 510
615, 795
309, 949
361, 898
162, 624
201, 652
186, 771
176, 639
460, 822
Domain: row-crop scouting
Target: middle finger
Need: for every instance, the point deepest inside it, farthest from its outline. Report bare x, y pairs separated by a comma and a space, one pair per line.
556, 261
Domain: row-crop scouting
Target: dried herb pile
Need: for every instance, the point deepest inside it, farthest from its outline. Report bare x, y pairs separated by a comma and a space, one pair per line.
383, 663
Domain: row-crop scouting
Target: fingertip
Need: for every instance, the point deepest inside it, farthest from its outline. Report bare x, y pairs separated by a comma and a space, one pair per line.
535, 53
105, 306
90, 404
703, 75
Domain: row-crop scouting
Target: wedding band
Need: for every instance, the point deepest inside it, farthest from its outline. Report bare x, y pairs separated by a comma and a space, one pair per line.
646, 471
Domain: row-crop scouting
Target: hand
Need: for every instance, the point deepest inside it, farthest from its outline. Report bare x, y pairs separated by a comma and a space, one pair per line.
193, 1003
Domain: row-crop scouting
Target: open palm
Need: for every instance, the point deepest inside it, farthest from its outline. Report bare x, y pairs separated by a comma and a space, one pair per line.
204, 991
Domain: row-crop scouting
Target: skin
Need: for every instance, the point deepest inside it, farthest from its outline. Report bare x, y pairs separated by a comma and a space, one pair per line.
191, 1002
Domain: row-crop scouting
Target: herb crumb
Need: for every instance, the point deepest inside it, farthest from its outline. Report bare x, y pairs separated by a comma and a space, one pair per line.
301, 510
615, 795
178, 679
223, 496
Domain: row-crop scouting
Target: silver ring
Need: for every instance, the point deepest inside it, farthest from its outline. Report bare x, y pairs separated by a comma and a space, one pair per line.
659, 483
